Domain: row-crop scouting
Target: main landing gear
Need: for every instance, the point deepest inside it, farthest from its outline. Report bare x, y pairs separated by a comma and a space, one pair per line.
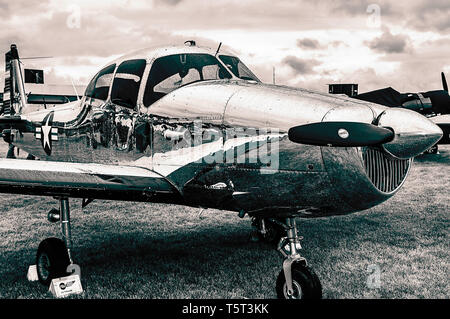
53, 257
296, 280
433, 150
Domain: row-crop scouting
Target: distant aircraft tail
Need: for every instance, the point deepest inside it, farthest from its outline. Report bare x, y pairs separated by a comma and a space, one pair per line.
14, 98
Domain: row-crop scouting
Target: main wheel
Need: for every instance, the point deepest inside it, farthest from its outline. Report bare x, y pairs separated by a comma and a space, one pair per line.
52, 260
305, 283
433, 150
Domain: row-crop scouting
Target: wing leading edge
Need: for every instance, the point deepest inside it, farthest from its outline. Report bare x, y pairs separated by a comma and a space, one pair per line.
83, 180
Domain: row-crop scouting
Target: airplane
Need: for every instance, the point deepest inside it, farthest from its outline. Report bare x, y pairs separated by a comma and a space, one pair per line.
189, 125
433, 104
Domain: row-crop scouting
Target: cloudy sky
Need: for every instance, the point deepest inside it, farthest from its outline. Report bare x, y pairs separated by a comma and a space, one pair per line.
404, 44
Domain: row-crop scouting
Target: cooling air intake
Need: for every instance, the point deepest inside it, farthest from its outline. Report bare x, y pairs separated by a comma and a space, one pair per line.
386, 173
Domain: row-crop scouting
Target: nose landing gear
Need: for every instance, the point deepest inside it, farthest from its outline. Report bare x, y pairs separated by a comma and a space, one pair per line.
296, 280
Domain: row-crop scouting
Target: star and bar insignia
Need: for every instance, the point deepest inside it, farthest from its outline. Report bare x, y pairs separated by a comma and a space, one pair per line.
46, 133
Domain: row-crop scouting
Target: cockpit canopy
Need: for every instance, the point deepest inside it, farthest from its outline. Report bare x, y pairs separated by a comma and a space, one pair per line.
173, 71
123, 80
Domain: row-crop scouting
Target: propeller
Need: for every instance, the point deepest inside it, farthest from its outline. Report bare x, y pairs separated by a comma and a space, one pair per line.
344, 134
444, 82
37, 57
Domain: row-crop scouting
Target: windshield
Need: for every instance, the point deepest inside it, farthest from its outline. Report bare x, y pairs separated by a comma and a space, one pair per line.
238, 68
99, 86
173, 71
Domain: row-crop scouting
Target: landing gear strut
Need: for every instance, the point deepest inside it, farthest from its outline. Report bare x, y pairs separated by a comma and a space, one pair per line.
54, 255
296, 280
268, 230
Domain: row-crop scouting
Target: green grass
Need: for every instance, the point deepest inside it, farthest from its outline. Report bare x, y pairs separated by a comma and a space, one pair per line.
138, 250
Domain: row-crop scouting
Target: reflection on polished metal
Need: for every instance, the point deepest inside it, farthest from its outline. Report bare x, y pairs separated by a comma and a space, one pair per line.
221, 130
412, 136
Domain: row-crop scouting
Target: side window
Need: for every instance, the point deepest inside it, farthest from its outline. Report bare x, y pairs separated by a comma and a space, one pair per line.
126, 83
99, 86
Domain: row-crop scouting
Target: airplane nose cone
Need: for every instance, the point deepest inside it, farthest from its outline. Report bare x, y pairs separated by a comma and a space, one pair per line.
414, 133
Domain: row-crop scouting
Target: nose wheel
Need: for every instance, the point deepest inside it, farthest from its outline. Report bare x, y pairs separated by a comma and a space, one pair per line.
296, 280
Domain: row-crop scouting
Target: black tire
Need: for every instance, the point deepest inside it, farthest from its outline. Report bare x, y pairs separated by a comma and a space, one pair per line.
52, 260
305, 282
432, 150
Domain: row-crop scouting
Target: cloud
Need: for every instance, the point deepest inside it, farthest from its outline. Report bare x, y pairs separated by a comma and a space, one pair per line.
21, 7
433, 15
301, 66
389, 43
308, 44
169, 2
332, 34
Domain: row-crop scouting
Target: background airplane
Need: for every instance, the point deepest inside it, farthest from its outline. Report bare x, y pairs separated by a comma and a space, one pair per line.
194, 126
433, 104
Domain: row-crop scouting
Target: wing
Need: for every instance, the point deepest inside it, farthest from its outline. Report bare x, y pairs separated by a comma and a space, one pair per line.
85, 180
387, 96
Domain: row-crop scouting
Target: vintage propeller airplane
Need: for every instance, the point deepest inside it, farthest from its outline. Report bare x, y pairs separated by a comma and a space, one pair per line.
433, 104
194, 126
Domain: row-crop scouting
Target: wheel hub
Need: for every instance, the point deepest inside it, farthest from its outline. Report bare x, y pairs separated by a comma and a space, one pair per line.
44, 266
297, 292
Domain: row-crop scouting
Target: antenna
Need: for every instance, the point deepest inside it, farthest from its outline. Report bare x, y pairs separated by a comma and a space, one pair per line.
273, 75
218, 49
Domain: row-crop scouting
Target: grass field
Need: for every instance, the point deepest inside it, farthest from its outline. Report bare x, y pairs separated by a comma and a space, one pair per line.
138, 250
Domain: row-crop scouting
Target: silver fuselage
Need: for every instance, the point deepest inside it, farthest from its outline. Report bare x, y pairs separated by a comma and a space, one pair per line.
224, 144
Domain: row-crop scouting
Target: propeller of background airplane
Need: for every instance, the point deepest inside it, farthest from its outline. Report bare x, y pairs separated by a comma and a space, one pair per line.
444, 82
440, 99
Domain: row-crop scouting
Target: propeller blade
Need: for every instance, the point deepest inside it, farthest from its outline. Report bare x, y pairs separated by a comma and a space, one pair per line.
344, 134
37, 57
444, 82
